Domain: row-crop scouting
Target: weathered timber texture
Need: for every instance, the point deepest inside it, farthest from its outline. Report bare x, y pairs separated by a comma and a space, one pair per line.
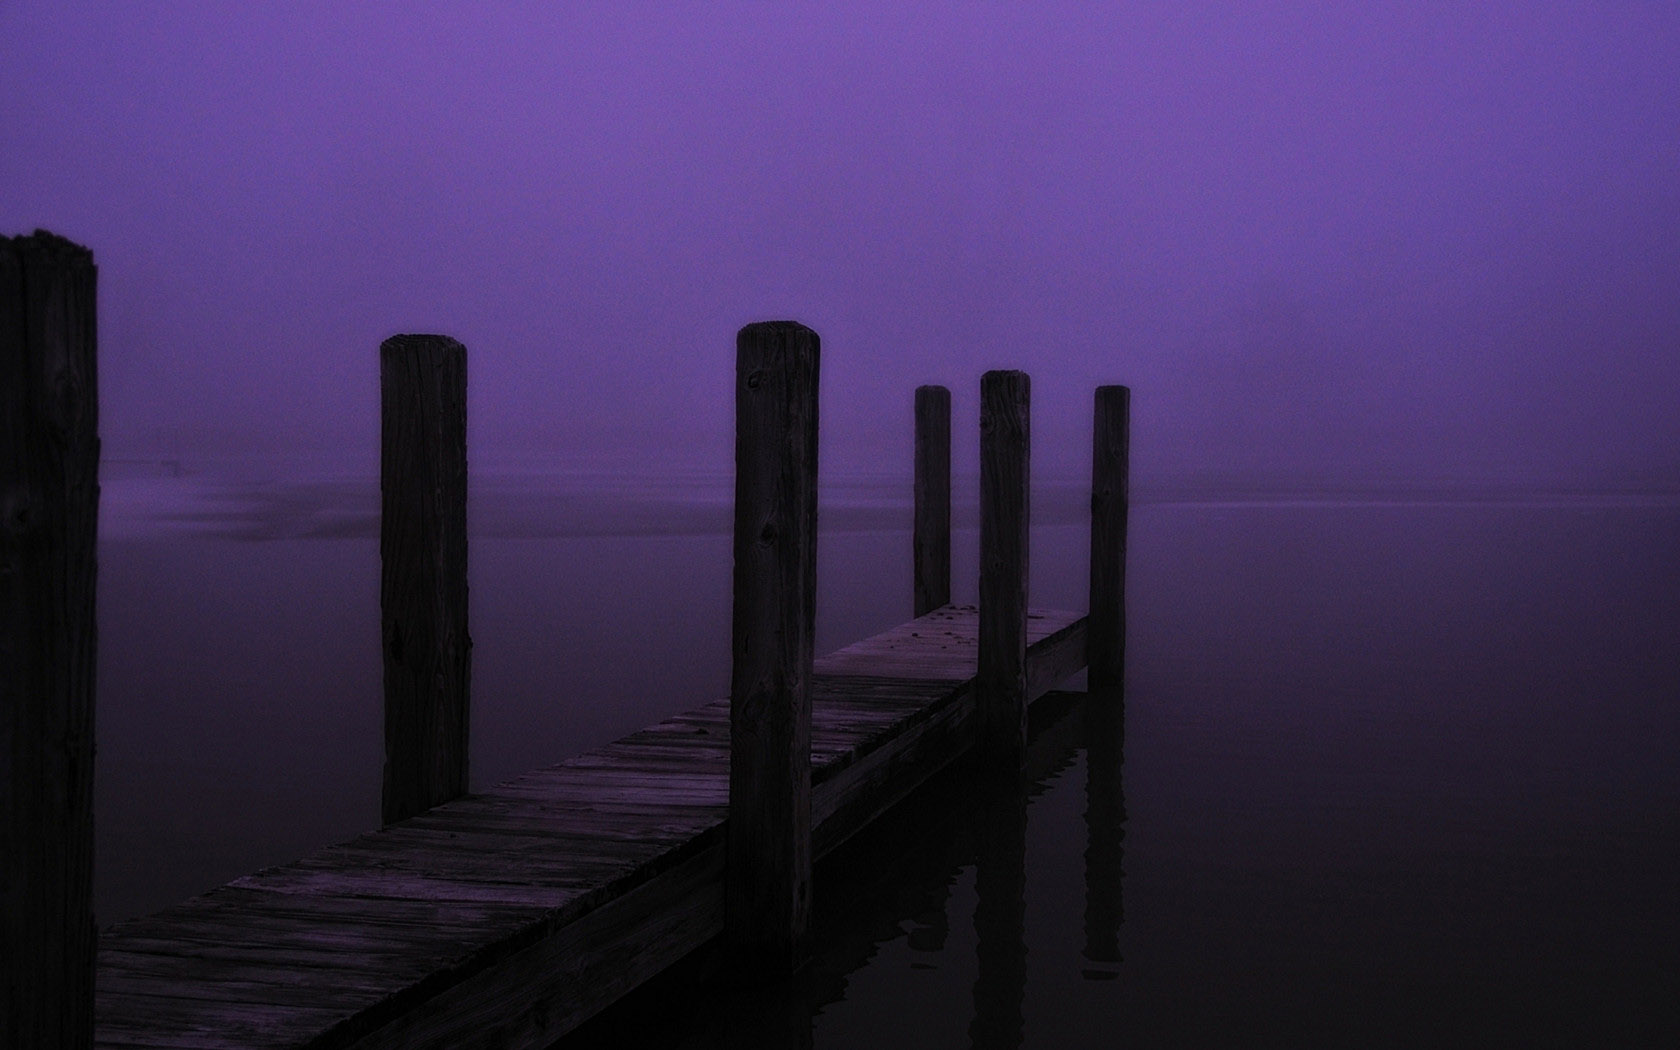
504, 919
768, 872
561, 981
423, 571
931, 535
1109, 481
49, 502
855, 786
1001, 685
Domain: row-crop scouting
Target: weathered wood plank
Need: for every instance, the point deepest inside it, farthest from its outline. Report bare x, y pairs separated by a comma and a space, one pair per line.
49, 499
169, 976
310, 983
555, 984
853, 793
1055, 658
415, 884
136, 1019
512, 816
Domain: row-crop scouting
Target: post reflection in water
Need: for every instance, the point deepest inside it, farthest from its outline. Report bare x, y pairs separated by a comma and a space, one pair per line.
1105, 814
1063, 724
767, 1017
1000, 927
894, 882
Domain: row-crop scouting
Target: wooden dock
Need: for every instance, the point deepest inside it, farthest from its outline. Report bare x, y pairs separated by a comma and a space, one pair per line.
508, 917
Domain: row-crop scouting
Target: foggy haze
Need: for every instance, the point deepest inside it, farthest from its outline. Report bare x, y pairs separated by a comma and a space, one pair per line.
1386, 240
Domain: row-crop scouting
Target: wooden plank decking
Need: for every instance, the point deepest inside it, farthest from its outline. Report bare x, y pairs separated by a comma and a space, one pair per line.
508, 917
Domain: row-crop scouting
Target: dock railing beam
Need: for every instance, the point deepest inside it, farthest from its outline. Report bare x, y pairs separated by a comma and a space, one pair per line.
767, 880
1001, 685
49, 507
931, 537
423, 571
1106, 634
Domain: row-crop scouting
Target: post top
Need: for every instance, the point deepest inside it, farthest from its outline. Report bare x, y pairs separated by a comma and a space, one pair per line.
775, 328
420, 342
48, 244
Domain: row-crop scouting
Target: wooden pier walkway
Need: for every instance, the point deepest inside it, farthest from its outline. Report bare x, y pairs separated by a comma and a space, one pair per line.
508, 917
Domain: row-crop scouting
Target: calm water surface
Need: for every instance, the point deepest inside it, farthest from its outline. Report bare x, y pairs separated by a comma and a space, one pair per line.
1383, 774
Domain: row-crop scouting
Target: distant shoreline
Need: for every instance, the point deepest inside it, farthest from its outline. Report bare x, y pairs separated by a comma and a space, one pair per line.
535, 505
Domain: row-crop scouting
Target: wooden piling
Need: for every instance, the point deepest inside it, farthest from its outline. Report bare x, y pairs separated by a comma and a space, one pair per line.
931, 538
1001, 685
1110, 450
423, 571
49, 504
767, 884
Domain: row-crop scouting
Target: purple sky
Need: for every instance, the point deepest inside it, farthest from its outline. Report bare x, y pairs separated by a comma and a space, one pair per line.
1391, 238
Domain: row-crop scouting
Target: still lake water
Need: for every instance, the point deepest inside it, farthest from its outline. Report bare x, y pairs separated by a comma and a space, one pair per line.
1395, 773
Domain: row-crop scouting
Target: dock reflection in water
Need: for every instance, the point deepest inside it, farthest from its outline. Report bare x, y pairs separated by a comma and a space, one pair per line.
895, 888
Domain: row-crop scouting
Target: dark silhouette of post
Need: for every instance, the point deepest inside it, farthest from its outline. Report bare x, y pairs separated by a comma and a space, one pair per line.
931, 539
767, 882
1000, 917
1106, 627
423, 571
49, 507
1001, 684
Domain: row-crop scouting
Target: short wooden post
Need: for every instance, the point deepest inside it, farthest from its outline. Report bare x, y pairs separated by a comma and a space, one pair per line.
49, 506
1106, 634
931, 539
423, 571
767, 893
1001, 685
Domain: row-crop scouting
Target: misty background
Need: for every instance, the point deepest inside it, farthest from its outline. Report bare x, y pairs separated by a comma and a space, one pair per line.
1386, 242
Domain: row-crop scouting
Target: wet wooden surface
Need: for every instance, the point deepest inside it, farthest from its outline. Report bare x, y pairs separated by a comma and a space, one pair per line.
508, 917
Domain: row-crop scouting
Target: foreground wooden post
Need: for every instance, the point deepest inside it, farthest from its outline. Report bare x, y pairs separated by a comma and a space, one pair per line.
1106, 636
931, 540
423, 571
1001, 685
767, 894
49, 505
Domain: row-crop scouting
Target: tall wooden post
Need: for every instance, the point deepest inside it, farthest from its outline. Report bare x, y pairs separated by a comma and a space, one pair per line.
423, 571
49, 506
1106, 635
767, 882
1001, 685
931, 539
